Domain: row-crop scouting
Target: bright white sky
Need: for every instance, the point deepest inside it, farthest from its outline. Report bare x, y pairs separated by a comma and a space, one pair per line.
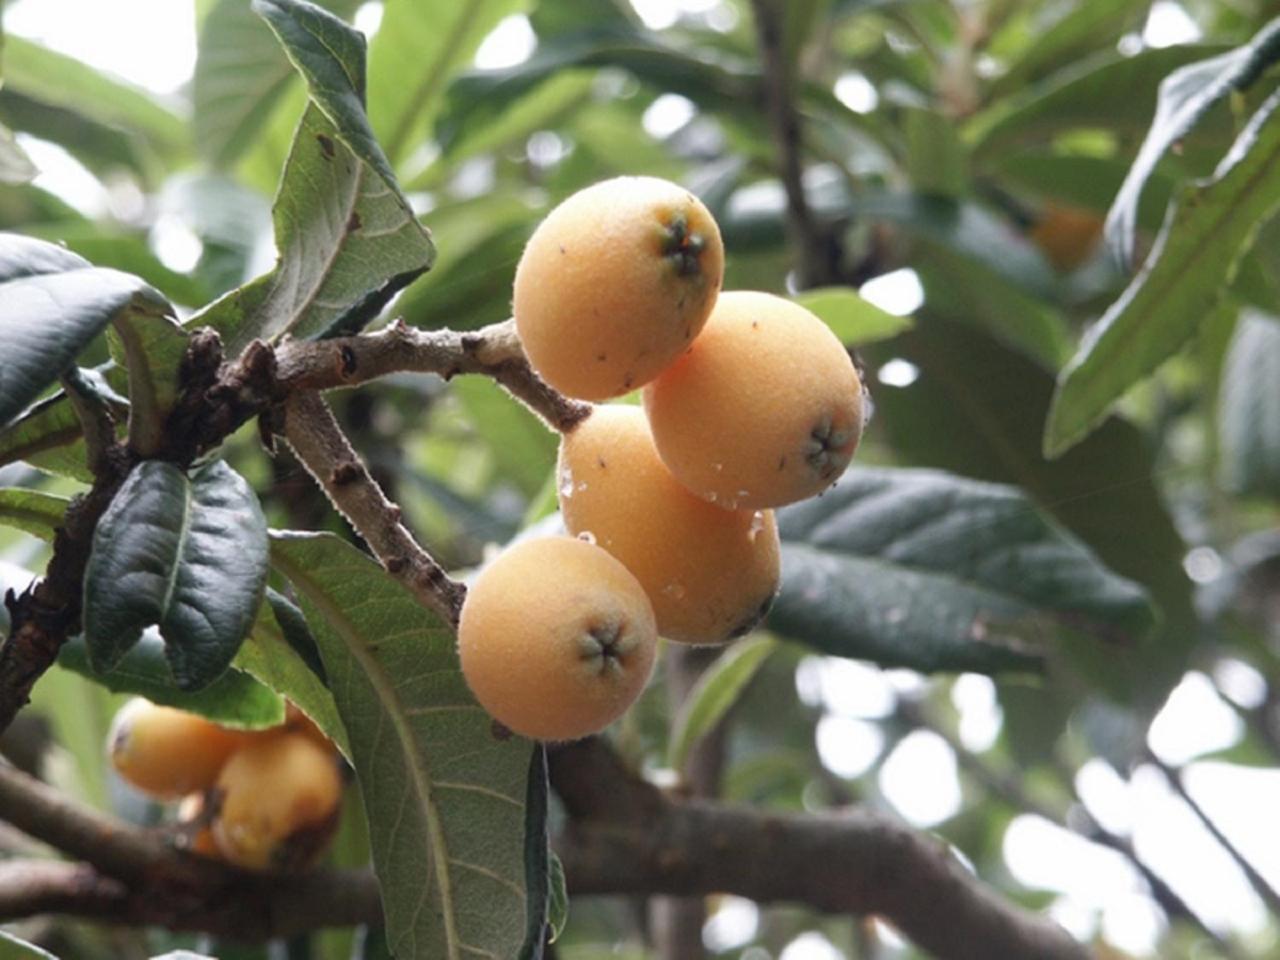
152, 44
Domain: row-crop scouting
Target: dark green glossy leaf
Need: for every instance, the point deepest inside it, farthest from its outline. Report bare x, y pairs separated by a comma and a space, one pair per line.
272, 658
188, 555
331, 58
48, 435
978, 409
1185, 96
418, 48
151, 347
32, 511
1249, 408
235, 699
444, 789
537, 854
924, 569
1212, 225
52, 304
241, 74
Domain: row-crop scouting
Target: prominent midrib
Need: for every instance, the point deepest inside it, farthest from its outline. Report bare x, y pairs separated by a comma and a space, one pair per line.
184, 532
387, 695
427, 88
1181, 267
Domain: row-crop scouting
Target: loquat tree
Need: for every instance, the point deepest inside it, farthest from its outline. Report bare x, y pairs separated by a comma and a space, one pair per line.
603, 478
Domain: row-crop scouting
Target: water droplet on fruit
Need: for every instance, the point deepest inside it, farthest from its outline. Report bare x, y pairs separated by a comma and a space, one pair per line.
717, 467
586, 536
674, 590
757, 525
566, 484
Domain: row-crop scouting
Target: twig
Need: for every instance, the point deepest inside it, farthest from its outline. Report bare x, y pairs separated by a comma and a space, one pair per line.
816, 264
1010, 789
322, 447
624, 836
46, 613
1256, 880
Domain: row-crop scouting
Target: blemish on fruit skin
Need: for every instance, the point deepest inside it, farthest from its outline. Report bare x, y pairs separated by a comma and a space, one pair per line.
600, 463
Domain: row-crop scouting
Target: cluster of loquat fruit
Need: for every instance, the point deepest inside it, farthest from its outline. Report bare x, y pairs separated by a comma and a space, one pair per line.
750, 403
260, 799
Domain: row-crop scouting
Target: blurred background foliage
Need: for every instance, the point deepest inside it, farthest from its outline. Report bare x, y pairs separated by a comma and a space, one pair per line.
959, 157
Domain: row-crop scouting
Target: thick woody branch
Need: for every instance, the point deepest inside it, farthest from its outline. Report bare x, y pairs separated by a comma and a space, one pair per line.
139, 877
625, 836
806, 237
322, 447
46, 613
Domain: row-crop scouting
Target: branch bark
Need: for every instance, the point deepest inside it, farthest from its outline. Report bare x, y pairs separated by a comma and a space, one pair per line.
322, 447
624, 836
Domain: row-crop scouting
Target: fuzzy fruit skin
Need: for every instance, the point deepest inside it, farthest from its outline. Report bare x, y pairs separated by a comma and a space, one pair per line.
556, 638
710, 573
166, 752
279, 799
765, 409
615, 283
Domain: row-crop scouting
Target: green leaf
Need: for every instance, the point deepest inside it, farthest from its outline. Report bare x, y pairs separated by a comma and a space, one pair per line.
923, 569
1249, 409
1213, 224
1185, 96
1117, 95
62, 81
268, 655
52, 304
716, 691
49, 435
558, 905
537, 851
851, 318
1070, 38
235, 699
13, 948
189, 555
240, 76
443, 787
978, 409
331, 58
32, 511
727, 87
936, 158
522, 447
417, 50
151, 347
15, 166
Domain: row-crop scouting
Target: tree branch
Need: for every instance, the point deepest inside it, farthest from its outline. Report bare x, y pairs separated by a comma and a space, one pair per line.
816, 255
46, 613
322, 447
624, 836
